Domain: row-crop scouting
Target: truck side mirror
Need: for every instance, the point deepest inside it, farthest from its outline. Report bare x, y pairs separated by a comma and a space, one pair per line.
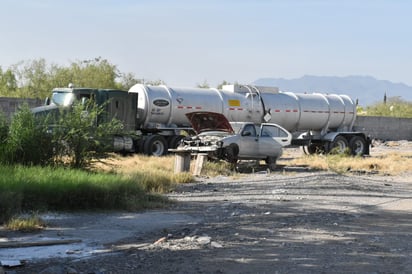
47, 101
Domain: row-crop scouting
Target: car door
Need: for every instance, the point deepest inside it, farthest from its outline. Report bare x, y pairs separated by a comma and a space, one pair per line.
272, 139
248, 141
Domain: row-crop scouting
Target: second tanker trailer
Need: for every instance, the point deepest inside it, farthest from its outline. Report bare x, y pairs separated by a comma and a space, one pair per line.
318, 122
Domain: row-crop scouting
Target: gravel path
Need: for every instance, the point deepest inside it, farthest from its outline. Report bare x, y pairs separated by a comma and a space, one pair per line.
299, 222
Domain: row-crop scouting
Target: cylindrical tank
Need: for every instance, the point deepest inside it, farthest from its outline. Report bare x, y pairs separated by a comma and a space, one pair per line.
298, 112
165, 107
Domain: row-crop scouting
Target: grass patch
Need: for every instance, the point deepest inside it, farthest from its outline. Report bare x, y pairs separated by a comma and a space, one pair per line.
389, 164
24, 189
25, 224
216, 168
155, 174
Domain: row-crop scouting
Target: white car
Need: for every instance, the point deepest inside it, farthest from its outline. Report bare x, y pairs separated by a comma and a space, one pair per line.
236, 140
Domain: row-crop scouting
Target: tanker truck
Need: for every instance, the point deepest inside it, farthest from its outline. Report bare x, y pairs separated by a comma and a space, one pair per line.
319, 123
154, 117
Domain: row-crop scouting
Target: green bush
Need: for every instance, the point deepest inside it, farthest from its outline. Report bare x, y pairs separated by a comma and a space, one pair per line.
71, 137
26, 141
10, 204
394, 107
80, 134
4, 128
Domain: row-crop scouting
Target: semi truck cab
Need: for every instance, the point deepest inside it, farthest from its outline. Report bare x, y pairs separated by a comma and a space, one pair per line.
117, 104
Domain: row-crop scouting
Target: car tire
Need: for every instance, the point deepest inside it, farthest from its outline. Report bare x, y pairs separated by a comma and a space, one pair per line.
231, 153
271, 162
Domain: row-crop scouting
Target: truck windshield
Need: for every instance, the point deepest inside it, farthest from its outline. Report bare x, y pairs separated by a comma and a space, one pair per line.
62, 98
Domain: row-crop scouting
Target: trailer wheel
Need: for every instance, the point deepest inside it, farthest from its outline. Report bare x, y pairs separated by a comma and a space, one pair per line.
313, 149
339, 145
155, 145
357, 145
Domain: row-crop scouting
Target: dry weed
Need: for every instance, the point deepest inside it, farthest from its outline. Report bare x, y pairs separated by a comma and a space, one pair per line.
394, 163
25, 223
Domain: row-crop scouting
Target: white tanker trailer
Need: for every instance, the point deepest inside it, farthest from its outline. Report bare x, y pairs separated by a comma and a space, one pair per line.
318, 122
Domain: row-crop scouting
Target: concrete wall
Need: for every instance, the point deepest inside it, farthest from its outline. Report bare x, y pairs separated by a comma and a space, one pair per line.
9, 105
385, 128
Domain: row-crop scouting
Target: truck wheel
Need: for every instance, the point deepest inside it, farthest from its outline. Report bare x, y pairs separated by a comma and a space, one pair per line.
339, 145
155, 145
174, 141
357, 145
139, 144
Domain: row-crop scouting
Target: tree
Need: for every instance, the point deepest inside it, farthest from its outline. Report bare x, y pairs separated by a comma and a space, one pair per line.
222, 84
205, 84
94, 73
33, 78
36, 78
154, 82
8, 83
128, 80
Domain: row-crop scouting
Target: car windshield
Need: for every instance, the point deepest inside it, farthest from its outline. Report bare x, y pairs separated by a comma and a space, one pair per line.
61, 98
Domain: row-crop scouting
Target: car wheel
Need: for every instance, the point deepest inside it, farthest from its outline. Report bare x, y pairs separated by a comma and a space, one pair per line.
231, 153
271, 162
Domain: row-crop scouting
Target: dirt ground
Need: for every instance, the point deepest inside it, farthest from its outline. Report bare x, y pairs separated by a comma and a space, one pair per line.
283, 222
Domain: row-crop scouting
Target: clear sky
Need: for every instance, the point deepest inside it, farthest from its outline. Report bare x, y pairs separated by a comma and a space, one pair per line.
185, 43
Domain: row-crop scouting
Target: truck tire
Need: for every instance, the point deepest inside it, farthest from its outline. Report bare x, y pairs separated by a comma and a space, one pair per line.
338, 146
357, 145
174, 141
155, 145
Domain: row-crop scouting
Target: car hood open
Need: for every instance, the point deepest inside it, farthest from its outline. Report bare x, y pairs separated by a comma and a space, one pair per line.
209, 121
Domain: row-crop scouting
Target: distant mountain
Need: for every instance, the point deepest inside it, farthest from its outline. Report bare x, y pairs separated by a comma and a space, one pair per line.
366, 89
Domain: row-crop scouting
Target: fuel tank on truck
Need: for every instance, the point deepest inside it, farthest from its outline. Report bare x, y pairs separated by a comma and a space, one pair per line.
317, 112
166, 107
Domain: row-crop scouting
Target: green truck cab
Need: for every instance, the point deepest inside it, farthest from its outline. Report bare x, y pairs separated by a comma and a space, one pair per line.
117, 104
